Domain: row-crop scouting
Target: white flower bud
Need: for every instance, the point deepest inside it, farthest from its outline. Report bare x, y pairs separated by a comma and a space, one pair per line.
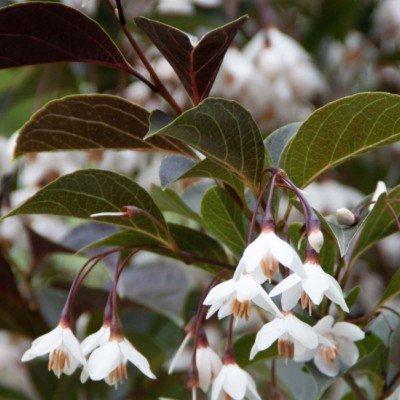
345, 217
316, 239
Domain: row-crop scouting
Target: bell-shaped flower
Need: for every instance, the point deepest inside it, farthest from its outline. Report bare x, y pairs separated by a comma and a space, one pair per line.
310, 290
96, 339
208, 365
342, 336
64, 350
290, 333
266, 252
109, 361
235, 296
234, 383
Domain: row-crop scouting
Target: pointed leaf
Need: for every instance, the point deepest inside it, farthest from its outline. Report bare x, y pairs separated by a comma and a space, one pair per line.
224, 218
91, 122
339, 131
225, 132
393, 289
45, 32
198, 65
91, 191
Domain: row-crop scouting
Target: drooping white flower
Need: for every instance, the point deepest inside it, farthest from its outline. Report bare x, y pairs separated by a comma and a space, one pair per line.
235, 383
179, 352
342, 336
380, 189
266, 252
290, 333
311, 290
63, 347
235, 296
208, 365
108, 361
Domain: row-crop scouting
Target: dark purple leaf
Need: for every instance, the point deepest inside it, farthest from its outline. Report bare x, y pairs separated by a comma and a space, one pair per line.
39, 33
198, 65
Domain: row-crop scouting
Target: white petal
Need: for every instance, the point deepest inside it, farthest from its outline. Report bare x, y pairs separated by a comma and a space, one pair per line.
285, 254
239, 270
324, 325
235, 383
73, 365
316, 284
301, 332
303, 354
255, 252
217, 385
84, 375
220, 291
136, 358
216, 363
226, 308
348, 331
335, 294
270, 332
203, 364
247, 288
290, 298
329, 369
214, 308
73, 346
251, 392
44, 344
348, 351
95, 340
265, 302
285, 285
184, 343
104, 360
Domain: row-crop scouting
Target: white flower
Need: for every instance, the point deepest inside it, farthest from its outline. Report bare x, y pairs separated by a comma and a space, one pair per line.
310, 290
235, 383
63, 347
208, 365
179, 353
342, 335
380, 189
108, 361
266, 252
236, 295
290, 333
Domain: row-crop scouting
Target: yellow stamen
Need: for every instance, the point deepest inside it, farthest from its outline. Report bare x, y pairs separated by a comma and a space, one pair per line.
241, 309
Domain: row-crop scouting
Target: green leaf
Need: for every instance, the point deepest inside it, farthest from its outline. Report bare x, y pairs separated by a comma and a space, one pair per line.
11, 394
339, 131
352, 295
91, 122
380, 223
226, 133
224, 218
393, 289
243, 347
91, 191
168, 200
196, 65
189, 241
277, 141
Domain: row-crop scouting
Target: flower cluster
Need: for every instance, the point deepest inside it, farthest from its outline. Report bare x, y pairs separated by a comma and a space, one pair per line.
264, 260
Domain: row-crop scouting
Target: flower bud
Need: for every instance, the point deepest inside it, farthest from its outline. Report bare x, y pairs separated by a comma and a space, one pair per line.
345, 217
316, 239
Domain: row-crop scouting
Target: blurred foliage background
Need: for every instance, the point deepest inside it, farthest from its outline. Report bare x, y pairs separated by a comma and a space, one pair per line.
319, 50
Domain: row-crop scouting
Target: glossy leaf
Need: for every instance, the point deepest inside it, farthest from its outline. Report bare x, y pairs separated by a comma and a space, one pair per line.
277, 141
196, 65
91, 122
46, 32
168, 200
339, 131
176, 167
392, 290
90, 191
226, 133
380, 223
189, 241
224, 218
